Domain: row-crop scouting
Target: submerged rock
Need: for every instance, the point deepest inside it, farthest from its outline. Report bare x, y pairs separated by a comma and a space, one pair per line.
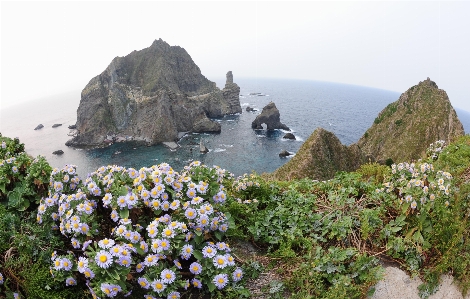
72, 127
271, 117
38, 127
56, 125
249, 109
284, 153
58, 152
289, 136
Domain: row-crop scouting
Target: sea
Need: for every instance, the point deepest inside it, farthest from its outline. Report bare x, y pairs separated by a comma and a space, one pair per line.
346, 110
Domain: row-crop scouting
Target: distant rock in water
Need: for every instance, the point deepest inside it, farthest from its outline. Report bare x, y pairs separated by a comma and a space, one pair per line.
249, 109
72, 127
202, 148
58, 152
56, 125
284, 154
271, 117
320, 157
40, 126
405, 128
151, 95
289, 136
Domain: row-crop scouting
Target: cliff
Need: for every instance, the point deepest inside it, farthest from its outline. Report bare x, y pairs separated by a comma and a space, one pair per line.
422, 115
151, 95
401, 132
320, 157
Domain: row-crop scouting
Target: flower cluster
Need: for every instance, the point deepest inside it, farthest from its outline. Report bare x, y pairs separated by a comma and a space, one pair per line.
419, 186
154, 222
435, 149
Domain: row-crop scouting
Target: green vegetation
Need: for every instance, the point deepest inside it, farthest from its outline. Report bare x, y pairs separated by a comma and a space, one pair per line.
323, 239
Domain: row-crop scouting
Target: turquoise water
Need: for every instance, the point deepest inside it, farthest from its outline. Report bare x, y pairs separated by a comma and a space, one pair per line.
345, 110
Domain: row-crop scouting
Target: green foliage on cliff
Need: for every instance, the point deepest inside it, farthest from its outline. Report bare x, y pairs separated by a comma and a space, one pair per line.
325, 238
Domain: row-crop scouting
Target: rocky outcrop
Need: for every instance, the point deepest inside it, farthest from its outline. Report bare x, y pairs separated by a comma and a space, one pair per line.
202, 148
401, 132
284, 154
289, 136
405, 128
269, 116
38, 127
151, 95
320, 157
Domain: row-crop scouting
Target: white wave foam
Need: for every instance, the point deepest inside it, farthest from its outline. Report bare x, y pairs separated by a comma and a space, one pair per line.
245, 104
227, 145
218, 150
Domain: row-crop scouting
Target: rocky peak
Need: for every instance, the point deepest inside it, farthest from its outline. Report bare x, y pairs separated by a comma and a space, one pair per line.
320, 157
229, 78
405, 128
151, 95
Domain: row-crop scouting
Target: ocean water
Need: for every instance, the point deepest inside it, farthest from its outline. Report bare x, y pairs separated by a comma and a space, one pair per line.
345, 110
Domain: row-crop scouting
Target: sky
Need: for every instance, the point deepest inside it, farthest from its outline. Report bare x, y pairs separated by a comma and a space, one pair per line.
49, 48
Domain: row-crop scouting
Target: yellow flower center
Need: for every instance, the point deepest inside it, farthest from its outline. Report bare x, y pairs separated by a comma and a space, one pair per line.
103, 258
159, 286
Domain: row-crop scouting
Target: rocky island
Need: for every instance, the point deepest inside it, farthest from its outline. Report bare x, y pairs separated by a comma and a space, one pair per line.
151, 95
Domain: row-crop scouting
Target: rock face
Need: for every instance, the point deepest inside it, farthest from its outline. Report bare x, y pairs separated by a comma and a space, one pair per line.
402, 132
38, 127
320, 157
151, 95
405, 128
271, 117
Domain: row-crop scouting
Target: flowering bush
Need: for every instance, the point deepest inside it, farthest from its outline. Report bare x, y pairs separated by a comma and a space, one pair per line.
435, 149
152, 227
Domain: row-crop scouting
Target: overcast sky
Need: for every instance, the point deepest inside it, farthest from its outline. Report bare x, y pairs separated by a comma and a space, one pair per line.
48, 48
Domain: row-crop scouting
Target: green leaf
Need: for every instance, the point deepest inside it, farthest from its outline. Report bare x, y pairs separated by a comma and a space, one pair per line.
219, 235
124, 213
197, 254
211, 286
2, 188
123, 191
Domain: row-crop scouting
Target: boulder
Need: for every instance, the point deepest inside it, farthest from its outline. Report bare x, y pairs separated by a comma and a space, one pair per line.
249, 109
204, 124
284, 154
72, 127
271, 117
202, 148
40, 126
56, 125
58, 152
289, 136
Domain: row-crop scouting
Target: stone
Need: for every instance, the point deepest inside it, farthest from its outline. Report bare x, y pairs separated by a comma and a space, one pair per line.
171, 145
202, 148
284, 154
38, 127
271, 117
72, 127
250, 109
58, 152
56, 125
151, 95
289, 136
204, 124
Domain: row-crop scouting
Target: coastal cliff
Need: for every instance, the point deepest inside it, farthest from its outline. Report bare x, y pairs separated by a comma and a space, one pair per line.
422, 115
401, 132
151, 95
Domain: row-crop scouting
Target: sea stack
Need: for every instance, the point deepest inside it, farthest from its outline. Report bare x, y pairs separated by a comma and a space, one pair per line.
271, 117
151, 95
